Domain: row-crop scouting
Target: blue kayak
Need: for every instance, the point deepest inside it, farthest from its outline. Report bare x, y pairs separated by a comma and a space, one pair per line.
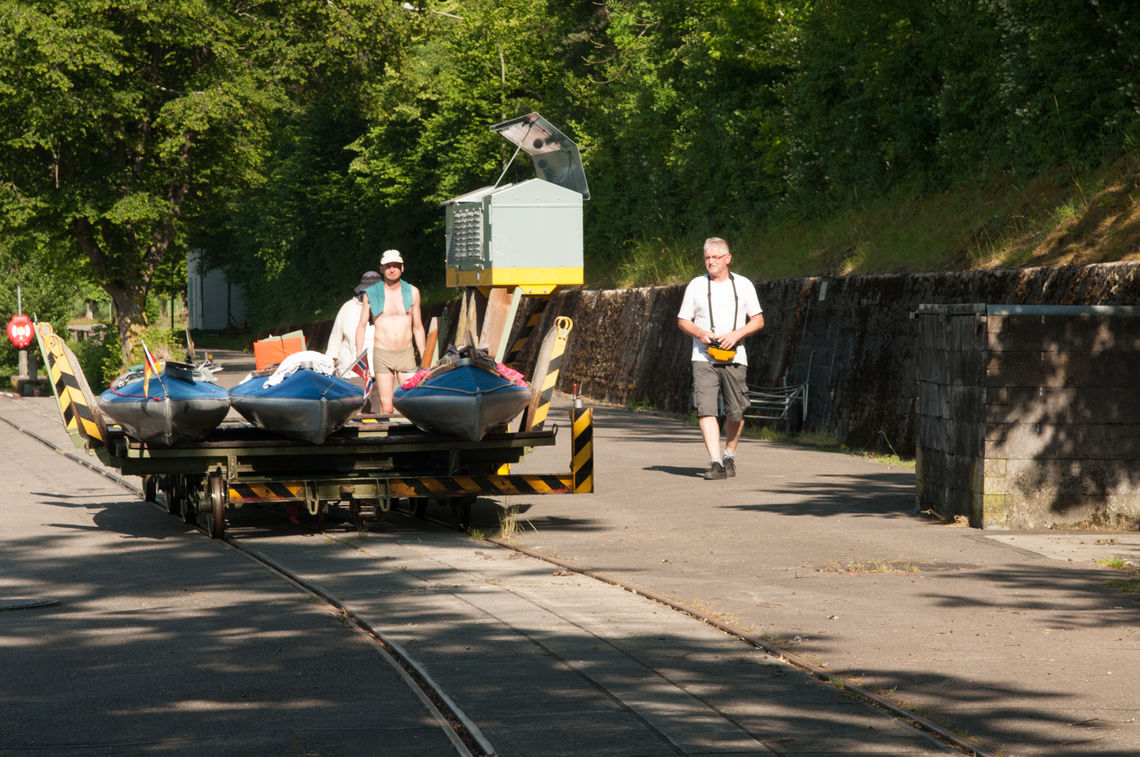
466, 398
305, 404
174, 406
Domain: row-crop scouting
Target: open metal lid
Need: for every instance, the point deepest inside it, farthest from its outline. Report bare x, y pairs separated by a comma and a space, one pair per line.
556, 157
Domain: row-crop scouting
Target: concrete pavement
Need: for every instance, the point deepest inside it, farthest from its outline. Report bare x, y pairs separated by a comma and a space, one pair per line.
155, 642
1018, 640
543, 661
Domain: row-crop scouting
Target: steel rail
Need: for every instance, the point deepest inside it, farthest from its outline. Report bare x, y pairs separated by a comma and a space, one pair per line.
460, 730
911, 718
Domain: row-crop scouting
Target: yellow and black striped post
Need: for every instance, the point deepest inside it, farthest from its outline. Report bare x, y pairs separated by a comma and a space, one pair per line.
582, 449
72, 395
546, 371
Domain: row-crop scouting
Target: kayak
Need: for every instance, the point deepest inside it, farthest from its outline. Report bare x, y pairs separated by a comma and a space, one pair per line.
305, 404
174, 406
467, 397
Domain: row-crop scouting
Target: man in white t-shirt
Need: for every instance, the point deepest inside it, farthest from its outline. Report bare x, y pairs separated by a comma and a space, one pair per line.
718, 311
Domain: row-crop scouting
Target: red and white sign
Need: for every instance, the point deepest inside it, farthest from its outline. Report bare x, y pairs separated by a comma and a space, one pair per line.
20, 331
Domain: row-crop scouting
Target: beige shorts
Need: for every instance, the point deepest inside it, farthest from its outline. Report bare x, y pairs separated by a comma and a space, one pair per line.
720, 384
393, 361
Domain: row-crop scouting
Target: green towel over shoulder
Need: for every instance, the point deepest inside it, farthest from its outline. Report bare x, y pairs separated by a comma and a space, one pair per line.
376, 297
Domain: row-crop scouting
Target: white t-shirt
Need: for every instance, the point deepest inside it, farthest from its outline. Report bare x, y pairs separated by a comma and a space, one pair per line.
695, 308
342, 340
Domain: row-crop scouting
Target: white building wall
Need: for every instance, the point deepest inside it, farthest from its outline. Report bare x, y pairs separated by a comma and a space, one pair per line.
214, 304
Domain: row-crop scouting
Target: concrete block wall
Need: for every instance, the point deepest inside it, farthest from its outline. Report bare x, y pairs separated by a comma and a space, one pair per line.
1029, 416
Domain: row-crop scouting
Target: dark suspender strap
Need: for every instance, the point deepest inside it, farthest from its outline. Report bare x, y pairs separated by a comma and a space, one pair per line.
735, 302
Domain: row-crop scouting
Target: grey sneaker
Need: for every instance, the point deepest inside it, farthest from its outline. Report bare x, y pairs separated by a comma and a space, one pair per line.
715, 471
730, 466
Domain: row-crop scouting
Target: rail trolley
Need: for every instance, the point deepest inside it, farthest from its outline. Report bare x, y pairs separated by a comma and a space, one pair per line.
533, 247
370, 461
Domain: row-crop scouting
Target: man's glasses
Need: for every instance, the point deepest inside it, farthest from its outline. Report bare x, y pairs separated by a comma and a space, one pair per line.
716, 257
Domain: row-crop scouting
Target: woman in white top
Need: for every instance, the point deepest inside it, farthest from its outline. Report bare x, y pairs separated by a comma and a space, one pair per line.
342, 340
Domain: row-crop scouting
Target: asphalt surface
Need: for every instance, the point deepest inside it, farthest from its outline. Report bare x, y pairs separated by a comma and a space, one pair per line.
1019, 641
141, 635
124, 633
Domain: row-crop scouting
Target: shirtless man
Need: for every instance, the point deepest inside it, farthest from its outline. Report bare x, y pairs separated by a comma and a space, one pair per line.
394, 307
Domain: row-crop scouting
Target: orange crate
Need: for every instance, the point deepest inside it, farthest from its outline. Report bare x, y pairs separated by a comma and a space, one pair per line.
273, 349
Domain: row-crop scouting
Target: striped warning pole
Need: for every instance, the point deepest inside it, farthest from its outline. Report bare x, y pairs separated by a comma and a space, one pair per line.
72, 395
546, 370
582, 454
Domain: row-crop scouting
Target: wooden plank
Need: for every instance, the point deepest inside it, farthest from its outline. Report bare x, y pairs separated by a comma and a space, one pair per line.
546, 372
467, 327
431, 346
508, 323
498, 308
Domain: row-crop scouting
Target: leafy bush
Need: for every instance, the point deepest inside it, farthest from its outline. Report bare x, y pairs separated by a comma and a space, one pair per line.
99, 357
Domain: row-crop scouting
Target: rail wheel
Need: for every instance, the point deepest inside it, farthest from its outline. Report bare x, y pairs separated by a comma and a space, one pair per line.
461, 512
166, 485
186, 507
219, 494
354, 512
150, 488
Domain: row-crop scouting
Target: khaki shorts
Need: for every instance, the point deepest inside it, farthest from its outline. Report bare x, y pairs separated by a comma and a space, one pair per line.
720, 381
393, 361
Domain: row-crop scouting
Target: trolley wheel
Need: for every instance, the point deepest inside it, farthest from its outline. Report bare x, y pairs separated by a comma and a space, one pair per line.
461, 512
354, 513
166, 485
219, 494
180, 491
150, 488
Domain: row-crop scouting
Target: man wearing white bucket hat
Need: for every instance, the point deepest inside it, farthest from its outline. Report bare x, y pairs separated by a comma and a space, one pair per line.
393, 306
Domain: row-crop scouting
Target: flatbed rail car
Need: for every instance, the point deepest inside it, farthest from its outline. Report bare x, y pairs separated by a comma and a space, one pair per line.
369, 460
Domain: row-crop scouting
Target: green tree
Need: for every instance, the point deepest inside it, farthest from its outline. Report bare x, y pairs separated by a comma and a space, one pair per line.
427, 137
130, 124
685, 112
299, 240
46, 292
891, 91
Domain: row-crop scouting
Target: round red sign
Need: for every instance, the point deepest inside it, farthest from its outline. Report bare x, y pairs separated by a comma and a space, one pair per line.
20, 331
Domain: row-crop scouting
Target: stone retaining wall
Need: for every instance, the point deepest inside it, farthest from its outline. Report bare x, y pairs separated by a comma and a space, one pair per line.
852, 339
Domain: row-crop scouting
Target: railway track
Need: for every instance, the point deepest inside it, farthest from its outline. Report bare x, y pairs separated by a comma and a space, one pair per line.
474, 741
468, 738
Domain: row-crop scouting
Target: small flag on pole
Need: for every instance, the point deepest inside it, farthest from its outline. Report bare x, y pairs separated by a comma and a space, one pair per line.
149, 367
360, 368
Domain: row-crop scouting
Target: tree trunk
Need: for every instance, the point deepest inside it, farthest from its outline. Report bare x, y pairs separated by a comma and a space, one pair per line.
128, 293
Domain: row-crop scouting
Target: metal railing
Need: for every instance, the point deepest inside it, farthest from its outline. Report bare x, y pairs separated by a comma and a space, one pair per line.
777, 403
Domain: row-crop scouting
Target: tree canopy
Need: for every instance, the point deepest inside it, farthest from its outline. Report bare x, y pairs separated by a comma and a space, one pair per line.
295, 140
